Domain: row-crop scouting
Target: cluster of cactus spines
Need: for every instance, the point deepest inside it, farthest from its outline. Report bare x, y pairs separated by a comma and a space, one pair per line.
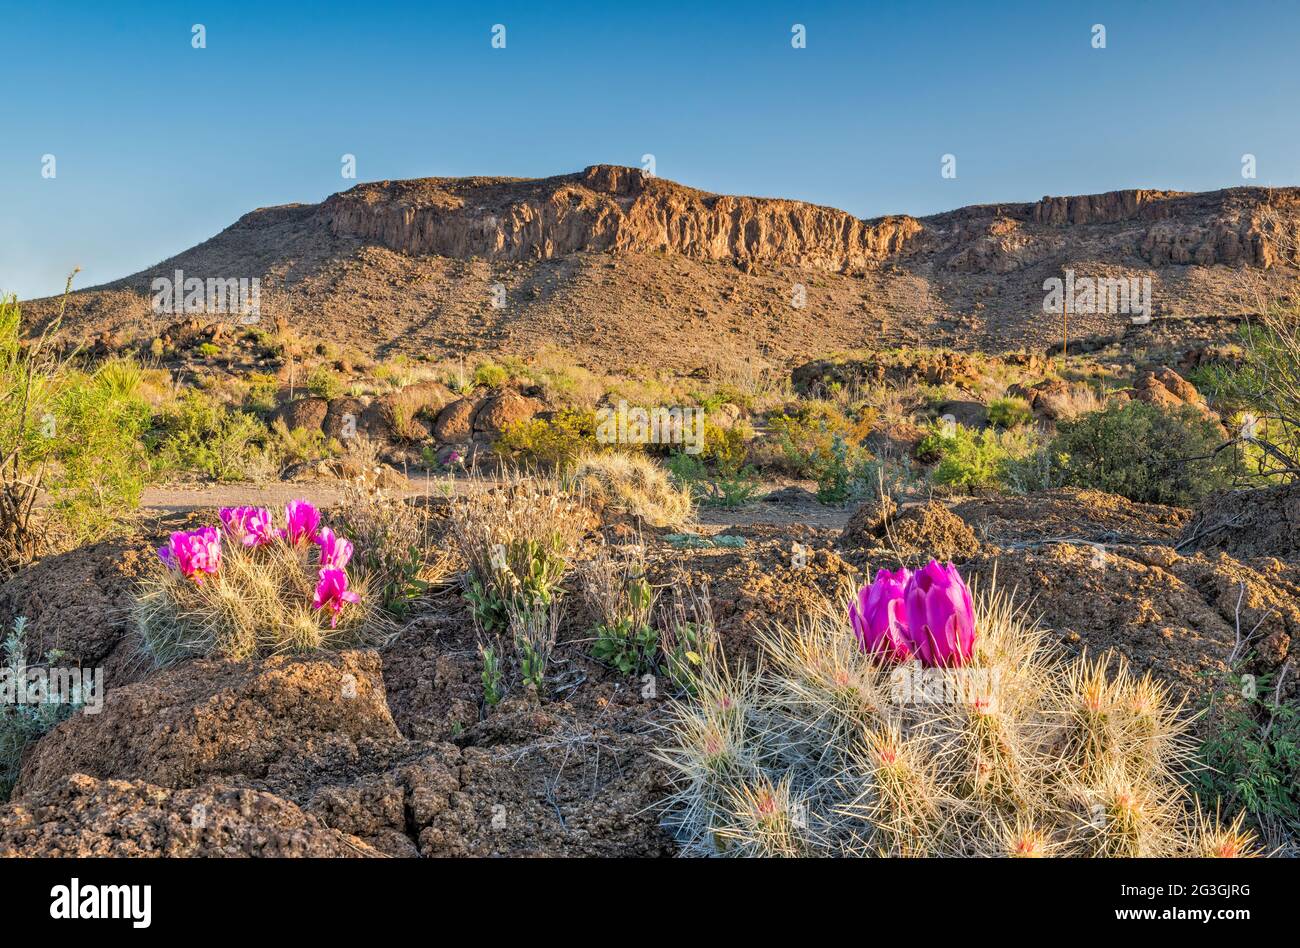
828, 750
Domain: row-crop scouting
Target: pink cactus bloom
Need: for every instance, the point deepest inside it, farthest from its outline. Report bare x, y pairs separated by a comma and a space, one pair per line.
332, 591
940, 616
334, 549
248, 526
301, 520
878, 617
193, 553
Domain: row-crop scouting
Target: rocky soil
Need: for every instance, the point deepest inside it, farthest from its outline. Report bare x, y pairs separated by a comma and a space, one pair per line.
367, 753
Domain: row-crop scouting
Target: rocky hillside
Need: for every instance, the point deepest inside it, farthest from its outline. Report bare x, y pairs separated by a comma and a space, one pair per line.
630, 270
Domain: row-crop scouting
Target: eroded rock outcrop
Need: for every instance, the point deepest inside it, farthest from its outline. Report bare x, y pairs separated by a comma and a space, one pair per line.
607, 208
281, 721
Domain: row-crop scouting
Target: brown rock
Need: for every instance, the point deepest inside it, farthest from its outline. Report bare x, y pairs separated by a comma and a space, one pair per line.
456, 421
305, 413
918, 534
501, 411
612, 208
278, 721
343, 419
79, 603
968, 414
82, 816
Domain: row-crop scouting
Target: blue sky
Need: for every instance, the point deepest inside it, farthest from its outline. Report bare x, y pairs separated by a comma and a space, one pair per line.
159, 145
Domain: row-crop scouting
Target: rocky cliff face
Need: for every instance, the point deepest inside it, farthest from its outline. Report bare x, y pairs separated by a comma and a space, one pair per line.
608, 208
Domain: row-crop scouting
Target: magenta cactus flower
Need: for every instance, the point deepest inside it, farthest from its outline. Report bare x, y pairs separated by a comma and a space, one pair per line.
193, 553
332, 591
940, 616
248, 526
878, 617
334, 549
301, 520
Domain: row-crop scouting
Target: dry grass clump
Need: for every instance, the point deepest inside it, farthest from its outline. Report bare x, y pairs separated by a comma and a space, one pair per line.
259, 603
826, 751
633, 484
517, 540
396, 553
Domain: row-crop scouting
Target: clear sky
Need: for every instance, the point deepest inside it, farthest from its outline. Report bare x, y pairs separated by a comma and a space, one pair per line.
159, 145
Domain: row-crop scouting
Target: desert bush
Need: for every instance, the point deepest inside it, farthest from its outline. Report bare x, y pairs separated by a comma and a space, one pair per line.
622, 600
70, 436
713, 488
1010, 412
1142, 452
828, 750
23, 723
247, 589
632, 484
200, 434
396, 555
534, 630
489, 374
1266, 388
1252, 757
807, 433
843, 473
974, 459
517, 540
323, 382
300, 445
261, 391
553, 442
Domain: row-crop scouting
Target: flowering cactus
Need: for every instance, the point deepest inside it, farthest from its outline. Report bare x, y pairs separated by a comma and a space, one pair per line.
940, 616
878, 617
193, 553
332, 591
302, 520
334, 549
249, 526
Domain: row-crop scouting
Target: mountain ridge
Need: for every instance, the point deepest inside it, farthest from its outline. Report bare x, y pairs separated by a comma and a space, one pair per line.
421, 265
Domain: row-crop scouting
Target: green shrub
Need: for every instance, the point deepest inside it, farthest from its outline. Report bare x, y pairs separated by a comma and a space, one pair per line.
711, 488
842, 474
22, 724
1010, 412
263, 388
101, 423
323, 382
67, 436
1142, 452
491, 375
1252, 757
200, 434
301, 445
1266, 384
973, 459
552, 443
806, 435
726, 448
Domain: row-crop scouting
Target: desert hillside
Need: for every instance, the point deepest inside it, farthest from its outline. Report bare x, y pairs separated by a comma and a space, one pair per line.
628, 270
